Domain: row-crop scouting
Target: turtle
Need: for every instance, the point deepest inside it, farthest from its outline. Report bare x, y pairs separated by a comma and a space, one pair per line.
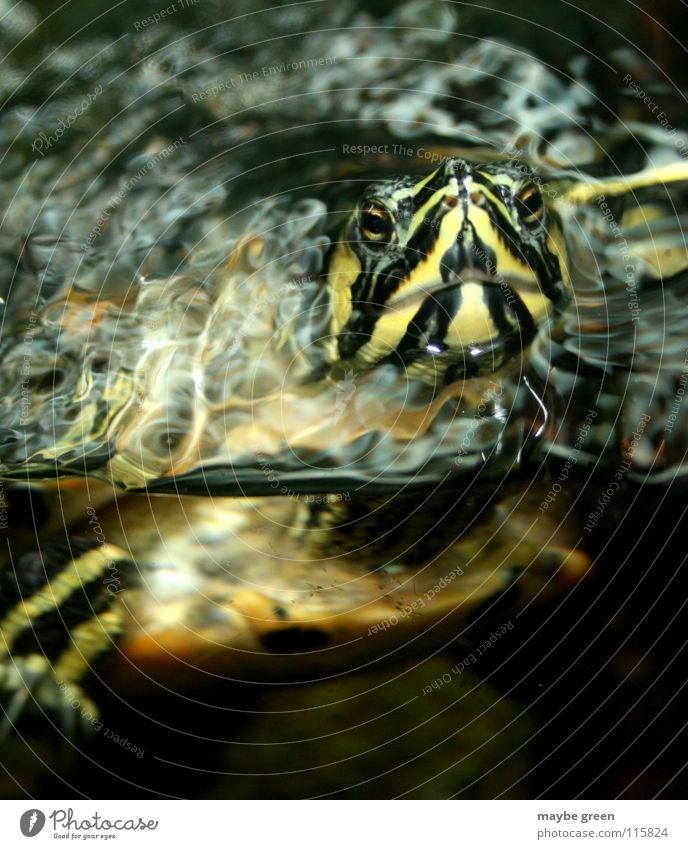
363, 430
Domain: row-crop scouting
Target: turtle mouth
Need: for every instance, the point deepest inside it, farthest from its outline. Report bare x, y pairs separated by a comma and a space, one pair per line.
402, 299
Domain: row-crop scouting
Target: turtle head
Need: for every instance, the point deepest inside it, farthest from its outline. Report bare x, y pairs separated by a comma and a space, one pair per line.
447, 275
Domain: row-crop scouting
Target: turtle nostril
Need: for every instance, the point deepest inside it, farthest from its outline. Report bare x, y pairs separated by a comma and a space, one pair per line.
450, 201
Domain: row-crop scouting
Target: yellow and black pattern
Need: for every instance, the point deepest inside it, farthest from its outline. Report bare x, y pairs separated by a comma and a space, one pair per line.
59, 612
448, 276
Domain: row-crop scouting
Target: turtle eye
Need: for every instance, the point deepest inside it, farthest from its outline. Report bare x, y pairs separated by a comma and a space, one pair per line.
530, 205
377, 224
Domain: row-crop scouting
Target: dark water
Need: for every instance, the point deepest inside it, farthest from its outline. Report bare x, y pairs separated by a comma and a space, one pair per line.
585, 697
